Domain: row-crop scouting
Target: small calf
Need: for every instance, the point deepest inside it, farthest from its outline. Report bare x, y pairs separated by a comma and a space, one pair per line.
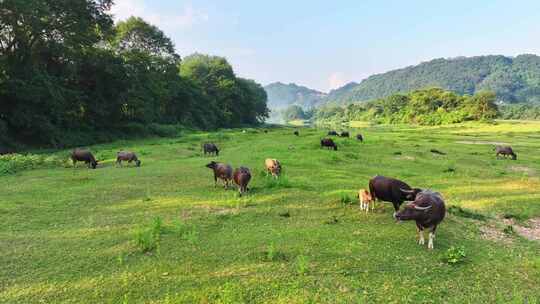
127, 156
365, 199
210, 148
241, 177
273, 167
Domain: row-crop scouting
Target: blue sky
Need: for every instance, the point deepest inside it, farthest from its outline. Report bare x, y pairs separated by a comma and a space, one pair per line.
325, 44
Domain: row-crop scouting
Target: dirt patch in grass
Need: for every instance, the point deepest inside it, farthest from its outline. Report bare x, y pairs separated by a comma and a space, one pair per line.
492, 233
404, 157
523, 169
530, 231
481, 142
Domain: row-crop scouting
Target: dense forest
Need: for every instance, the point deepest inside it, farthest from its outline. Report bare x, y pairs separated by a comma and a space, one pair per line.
512, 79
70, 76
432, 106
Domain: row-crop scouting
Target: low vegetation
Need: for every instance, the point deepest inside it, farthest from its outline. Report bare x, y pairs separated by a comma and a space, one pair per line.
161, 233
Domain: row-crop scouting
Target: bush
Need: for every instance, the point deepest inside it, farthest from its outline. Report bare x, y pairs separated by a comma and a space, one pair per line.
455, 255
147, 238
13, 163
165, 130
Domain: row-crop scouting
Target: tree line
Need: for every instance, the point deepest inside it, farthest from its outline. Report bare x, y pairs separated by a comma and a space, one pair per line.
70, 76
432, 106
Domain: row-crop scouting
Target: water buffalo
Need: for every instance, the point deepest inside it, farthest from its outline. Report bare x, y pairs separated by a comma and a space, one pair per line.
210, 148
273, 167
344, 134
428, 211
391, 190
296, 133
328, 143
127, 156
241, 177
332, 133
221, 171
84, 156
365, 199
505, 151
360, 137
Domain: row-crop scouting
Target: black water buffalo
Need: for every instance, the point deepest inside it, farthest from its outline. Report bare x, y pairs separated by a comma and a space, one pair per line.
344, 134
210, 148
328, 143
127, 156
221, 171
296, 133
391, 190
332, 133
241, 177
428, 211
360, 137
84, 156
505, 151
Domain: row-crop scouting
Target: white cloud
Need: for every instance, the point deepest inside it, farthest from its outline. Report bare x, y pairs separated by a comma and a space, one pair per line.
337, 80
186, 18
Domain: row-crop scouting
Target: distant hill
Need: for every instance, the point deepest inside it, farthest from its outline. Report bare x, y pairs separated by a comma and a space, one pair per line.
281, 96
512, 79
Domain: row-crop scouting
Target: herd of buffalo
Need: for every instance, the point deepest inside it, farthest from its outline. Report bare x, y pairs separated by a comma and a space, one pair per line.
425, 207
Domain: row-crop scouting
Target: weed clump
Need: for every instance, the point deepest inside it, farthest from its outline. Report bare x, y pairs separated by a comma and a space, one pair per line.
13, 163
345, 199
147, 238
455, 255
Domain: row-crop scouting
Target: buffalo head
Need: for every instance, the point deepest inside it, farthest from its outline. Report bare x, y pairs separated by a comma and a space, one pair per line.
410, 195
412, 212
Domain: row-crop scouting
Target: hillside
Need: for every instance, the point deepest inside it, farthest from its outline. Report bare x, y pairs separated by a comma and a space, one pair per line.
281, 96
513, 79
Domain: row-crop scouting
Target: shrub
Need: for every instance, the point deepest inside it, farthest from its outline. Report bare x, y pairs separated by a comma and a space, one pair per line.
345, 199
458, 211
13, 163
271, 182
165, 130
147, 238
455, 255
302, 264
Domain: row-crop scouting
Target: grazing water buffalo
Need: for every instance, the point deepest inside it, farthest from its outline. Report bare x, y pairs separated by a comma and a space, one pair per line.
328, 143
428, 211
273, 167
210, 148
221, 171
365, 199
391, 190
359, 137
296, 133
505, 151
241, 177
344, 134
332, 133
84, 156
127, 156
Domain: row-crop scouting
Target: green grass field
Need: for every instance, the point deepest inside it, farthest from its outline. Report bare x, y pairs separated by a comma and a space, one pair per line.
74, 235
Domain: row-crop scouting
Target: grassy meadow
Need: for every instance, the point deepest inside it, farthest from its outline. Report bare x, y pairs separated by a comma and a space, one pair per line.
162, 233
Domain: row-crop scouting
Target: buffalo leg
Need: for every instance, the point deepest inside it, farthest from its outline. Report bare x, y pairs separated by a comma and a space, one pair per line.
420, 230
431, 237
396, 208
215, 181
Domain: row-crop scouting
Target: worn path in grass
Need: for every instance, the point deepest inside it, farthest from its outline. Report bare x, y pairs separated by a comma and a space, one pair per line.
68, 235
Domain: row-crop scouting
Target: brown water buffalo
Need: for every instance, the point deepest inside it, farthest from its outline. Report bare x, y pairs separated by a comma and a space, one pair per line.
84, 156
328, 143
505, 151
273, 167
241, 177
221, 171
127, 156
210, 148
391, 190
427, 211
360, 137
